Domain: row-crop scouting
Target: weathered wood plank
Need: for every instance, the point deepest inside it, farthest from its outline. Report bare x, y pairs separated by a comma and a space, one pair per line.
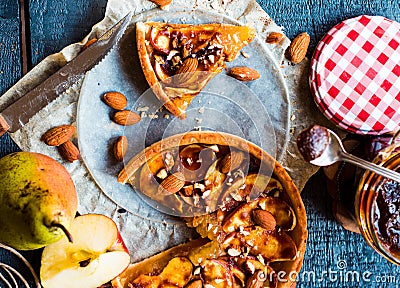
10, 65
10, 68
55, 24
318, 16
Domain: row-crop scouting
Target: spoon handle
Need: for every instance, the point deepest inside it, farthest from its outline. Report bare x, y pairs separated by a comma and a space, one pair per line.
385, 172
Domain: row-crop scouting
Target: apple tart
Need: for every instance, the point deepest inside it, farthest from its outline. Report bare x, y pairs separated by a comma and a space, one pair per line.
178, 60
253, 222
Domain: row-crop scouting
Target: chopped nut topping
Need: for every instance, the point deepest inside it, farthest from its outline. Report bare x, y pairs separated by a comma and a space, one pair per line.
250, 266
234, 252
162, 174
206, 194
199, 186
169, 161
261, 259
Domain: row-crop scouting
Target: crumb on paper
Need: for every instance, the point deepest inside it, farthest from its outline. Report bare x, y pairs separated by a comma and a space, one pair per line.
143, 114
201, 110
198, 120
293, 117
245, 54
165, 7
143, 109
153, 116
166, 116
197, 128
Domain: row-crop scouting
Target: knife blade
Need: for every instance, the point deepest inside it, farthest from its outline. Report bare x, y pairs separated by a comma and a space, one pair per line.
21, 111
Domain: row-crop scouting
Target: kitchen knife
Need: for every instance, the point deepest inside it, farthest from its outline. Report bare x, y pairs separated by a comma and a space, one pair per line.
20, 112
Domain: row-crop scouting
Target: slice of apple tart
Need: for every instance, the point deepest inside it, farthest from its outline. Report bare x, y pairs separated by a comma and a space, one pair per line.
178, 60
242, 202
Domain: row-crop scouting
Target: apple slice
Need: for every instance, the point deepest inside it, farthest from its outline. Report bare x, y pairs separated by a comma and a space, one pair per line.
271, 245
96, 256
177, 273
217, 273
242, 215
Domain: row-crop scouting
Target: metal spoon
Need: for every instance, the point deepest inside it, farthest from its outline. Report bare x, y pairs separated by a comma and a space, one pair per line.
335, 152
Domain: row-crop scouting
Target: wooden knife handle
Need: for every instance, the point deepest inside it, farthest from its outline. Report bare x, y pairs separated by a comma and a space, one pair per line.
3, 125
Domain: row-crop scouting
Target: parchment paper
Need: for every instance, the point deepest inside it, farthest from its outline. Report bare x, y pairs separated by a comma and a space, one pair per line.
144, 237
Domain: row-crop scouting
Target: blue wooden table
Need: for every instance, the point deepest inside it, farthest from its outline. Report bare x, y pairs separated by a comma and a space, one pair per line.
30, 30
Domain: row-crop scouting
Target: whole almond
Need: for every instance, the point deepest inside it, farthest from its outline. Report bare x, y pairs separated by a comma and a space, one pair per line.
115, 100
274, 38
69, 151
256, 280
161, 2
264, 219
231, 161
120, 148
243, 73
126, 118
184, 72
298, 48
172, 184
58, 135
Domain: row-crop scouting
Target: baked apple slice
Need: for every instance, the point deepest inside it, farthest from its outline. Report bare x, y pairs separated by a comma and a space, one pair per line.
271, 245
217, 273
168, 277
243, 216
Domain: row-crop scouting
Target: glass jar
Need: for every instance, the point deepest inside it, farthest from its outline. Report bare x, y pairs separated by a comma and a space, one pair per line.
377, 206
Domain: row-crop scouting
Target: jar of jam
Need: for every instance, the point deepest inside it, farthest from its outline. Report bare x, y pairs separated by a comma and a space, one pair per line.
377, 206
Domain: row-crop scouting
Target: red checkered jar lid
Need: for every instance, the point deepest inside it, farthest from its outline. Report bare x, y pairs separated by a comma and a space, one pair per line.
355, 75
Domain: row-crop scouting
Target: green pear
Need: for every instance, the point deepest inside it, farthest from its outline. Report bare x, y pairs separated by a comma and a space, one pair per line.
38, 200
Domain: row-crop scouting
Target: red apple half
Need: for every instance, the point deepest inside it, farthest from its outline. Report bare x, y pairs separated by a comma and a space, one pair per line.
96, 256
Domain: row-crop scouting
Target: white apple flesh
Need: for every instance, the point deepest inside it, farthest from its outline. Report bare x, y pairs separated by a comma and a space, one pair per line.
96, 256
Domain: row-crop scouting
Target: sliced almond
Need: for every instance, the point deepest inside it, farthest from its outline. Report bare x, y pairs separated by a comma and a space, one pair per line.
58, 135
115, 100
231, 161
274, 38
244, 73
298, 48
120, 148
264, 219
172, 184
69, 151
185, 71
126, 118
